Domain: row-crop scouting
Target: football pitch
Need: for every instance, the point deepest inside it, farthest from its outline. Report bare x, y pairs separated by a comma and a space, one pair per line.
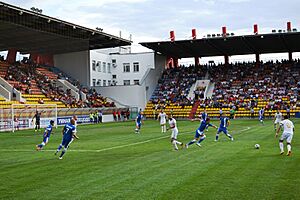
110, 161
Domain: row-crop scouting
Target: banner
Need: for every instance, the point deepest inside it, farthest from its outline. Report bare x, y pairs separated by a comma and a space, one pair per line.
83, 119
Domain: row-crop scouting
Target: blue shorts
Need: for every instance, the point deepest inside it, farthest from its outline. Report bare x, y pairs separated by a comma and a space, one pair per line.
138, 124
65, 142
261, 117
199, 133
222, 129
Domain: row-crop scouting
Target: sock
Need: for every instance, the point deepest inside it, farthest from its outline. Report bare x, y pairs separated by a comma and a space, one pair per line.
175, 145
192, 142
228, 135
162, 129
281, 146
178, 142
289, 147
41, 145
217, 136
59, 148
165, 128
62, 153
201, 139
275, 126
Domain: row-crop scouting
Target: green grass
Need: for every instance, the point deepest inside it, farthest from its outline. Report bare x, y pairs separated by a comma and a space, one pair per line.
111, 162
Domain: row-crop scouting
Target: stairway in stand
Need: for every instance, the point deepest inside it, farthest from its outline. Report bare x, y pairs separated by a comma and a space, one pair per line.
194, 109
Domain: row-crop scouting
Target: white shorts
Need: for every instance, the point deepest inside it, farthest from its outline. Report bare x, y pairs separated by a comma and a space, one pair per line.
287, 136
162, 122
174, 133
277, 121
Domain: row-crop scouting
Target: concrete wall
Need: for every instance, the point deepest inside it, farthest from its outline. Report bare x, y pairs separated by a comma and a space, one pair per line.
5, 93
75, 64
133, 95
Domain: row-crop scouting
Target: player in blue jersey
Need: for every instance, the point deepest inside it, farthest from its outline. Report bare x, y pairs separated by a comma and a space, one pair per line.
204, 116
46, 136
138, 122
261, 113
224, 123
69, 131
200, 136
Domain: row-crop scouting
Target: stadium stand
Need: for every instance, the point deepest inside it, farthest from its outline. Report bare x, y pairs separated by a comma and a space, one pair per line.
38, 85
239, 86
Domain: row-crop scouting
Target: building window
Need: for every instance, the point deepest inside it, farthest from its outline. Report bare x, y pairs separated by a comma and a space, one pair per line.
126, 82
114, 76
99, 82
104, 82
104, 67
114, 62
99, 66
109, 82
108, 68
136, 82
94, 82
136, 67
126, 67
94, 65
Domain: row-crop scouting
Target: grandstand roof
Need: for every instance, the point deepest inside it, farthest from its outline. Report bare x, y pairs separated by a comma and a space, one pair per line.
32, 32
230, 45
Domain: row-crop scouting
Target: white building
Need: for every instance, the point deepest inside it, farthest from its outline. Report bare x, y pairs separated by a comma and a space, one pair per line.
127, 78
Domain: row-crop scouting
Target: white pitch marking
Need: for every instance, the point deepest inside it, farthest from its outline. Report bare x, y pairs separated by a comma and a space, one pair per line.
100, 150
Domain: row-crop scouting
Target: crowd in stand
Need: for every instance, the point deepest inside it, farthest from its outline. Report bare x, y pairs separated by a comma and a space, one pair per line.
25, 74
199, 92
236, 85
269, 81
175, 84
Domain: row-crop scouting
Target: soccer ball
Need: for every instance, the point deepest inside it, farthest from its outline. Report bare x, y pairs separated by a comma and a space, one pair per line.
256, 146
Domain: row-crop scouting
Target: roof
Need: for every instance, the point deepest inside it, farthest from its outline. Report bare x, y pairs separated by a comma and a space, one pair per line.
230, 45
31, 32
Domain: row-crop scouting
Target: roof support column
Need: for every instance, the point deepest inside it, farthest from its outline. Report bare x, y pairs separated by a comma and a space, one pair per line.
290, 56
174, 60
194, 36
257, 59
226, 60
11, 56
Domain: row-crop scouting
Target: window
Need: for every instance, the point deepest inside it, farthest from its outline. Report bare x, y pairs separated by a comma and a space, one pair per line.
108, 68
114, 62
126, 82
99, 66
136, 67
94, 65
104, 82
99, 82
114, 76
109, 82
126, 67
94, 82
136, 82
104, 67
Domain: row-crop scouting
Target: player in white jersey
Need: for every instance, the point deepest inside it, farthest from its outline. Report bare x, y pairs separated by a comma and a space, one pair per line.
277, 119
173, 127
261, 113
163, 119
288, 132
